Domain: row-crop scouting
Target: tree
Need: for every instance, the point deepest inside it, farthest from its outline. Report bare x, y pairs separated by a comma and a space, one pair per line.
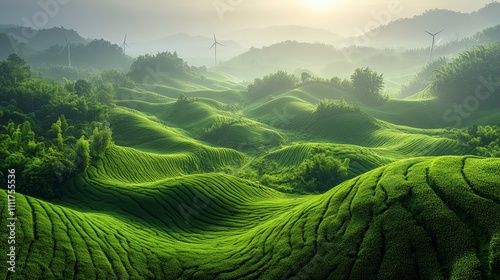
328, 107
304, 77
269, 84
43, 176
41, 123
82, 154
105, 94
114, 78
322, 171
474, 72
14, 70
83, 88
57, 133
367, 84
26, 132
100, 140
154, 69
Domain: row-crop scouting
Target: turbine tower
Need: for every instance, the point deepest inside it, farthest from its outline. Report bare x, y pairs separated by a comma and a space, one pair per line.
68, 43
125, 45
215, 46
433, 40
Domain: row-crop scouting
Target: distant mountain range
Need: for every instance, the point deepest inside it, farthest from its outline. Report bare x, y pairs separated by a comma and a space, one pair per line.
38, 40
410, 32
194, 49
326, 60
259, 37
407, 33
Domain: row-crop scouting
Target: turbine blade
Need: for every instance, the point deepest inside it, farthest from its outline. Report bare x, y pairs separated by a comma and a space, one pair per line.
429, 33
212, 46
62, 49
220, 44
439, 32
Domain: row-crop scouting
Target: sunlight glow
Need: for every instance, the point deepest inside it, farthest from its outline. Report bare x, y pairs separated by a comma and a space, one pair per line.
320, 3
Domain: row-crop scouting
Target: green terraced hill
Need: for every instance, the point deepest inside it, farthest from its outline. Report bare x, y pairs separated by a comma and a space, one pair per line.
361, 159
422, 218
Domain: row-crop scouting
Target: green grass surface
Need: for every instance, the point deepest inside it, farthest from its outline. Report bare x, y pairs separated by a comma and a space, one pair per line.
161, 203
430, 218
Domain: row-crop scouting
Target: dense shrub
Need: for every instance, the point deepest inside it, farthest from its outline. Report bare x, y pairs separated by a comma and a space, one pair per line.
321, 171
367, 84
329, 107
474, 70
422, 79
345, 84
154, 68
41, 122
481, 140
14, 71
318, 172
269, 84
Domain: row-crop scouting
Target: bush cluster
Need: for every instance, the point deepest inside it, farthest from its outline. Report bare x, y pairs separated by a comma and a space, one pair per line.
473, 69
48, 131
330, 107
272, 83
320, 171
481, 140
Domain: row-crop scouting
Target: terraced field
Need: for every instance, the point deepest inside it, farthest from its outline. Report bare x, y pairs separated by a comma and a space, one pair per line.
163, 202
425, 218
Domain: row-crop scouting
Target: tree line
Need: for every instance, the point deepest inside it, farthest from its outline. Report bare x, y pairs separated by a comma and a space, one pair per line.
364, 83
50, 131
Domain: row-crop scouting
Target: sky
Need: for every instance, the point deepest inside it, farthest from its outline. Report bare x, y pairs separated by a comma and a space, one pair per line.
148, 20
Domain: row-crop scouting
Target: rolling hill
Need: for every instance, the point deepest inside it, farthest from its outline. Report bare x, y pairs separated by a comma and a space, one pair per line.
422, 218
194, 187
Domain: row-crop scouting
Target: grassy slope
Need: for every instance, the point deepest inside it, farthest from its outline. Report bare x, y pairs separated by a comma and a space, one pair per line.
428, 217
155, 206
293, 111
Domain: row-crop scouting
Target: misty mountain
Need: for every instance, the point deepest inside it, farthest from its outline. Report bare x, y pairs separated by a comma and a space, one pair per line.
7, 45
39, 40
258, 37
48, 47
290, 56
194, 49
328, 60
410, 32
97, 54
317, 59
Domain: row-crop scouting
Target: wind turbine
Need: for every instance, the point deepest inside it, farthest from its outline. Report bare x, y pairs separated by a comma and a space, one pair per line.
125, 45
433, 40
215, 45
68, 43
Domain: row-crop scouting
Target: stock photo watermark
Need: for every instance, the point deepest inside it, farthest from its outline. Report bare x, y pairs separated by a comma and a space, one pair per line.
369, 31
194, 208
155, 76
225, 6
462, 111
282, 118
40, 19
11, 220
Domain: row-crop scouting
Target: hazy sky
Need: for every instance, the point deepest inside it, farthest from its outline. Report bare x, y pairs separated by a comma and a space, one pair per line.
153, 19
